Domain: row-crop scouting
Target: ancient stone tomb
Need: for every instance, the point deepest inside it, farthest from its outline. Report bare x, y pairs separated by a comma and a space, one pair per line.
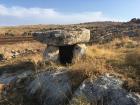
64, 46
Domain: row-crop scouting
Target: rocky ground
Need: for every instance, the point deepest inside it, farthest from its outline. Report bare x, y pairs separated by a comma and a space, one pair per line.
60, 86
20, 50
108, 74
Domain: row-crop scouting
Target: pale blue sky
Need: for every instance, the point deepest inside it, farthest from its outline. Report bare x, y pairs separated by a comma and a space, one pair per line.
20, 12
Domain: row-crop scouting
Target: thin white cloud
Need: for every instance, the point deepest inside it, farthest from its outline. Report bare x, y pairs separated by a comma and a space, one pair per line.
21, 12
17, 15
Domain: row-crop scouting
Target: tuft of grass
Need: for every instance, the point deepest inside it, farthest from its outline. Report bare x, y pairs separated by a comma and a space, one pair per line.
81, 100
125, 42
94, 61
133, 58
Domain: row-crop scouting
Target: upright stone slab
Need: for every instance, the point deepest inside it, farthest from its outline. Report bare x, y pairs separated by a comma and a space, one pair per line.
79, 52
51, 53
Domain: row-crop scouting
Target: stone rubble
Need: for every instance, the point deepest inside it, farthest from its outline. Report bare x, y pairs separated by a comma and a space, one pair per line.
108, 33
17, 53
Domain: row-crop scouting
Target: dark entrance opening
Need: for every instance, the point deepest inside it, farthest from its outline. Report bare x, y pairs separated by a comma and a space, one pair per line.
1, 57
66, 54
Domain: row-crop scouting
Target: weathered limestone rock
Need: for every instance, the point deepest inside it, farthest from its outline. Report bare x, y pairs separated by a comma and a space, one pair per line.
63, 37
51, 53
106, 91
55, 88
79, 51
12, 88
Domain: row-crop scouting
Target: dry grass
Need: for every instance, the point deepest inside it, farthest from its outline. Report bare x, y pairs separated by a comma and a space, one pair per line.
124, 42
133, 58
79, 101
122, 61
35, 58
94, 62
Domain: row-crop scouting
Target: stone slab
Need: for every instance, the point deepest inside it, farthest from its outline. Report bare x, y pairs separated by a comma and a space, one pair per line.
63, 37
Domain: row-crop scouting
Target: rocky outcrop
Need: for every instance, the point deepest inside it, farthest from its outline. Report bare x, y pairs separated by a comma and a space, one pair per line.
13, 88
62, 86
53, 86
111, 32
63, 37
106, 91
135, 20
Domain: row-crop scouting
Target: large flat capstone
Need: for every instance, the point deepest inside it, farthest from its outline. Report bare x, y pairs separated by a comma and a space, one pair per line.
63, 37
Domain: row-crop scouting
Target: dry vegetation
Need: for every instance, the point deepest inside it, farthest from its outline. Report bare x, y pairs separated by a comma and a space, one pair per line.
120, 57
7, 48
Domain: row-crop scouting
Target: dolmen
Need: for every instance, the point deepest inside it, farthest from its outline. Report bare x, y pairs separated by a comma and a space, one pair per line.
64, 46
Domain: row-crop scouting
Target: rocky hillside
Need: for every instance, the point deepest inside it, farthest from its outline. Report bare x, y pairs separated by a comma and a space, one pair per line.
108, 33
100, 31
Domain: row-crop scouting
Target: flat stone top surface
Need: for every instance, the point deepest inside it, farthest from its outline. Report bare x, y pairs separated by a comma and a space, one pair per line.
63, 37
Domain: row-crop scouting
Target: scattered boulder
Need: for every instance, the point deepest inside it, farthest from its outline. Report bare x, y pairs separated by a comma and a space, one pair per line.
135, 20
61, 86
12, 88
106, 90
55, 88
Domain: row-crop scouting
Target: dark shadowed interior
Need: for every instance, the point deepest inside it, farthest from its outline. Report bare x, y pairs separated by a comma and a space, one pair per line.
66, 54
